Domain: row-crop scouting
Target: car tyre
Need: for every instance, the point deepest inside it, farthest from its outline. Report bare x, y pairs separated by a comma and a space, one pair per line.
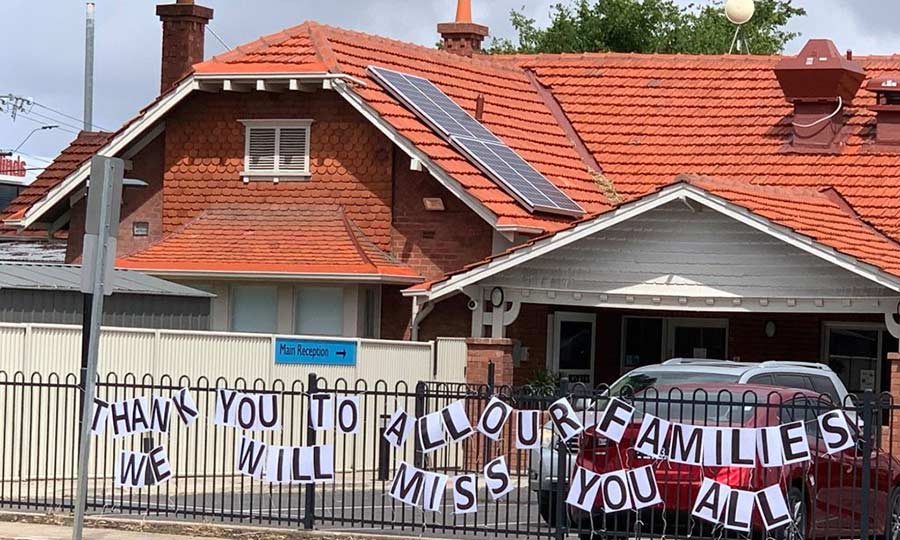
547, 507
892, 520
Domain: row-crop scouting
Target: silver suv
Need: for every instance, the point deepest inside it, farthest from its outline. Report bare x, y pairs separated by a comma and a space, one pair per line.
802, 375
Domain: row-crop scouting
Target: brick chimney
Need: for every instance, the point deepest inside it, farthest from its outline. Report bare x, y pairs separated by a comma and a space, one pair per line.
463, 37
887, 109
819, 82
184, 29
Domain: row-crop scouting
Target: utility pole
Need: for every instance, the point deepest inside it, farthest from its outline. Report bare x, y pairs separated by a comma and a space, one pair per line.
89, 69
97, 268
87, 305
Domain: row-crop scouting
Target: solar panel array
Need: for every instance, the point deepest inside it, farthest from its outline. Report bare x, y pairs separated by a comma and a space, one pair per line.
483, 148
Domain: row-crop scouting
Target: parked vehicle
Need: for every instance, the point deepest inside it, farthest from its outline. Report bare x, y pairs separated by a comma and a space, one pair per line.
824, 495
818, 378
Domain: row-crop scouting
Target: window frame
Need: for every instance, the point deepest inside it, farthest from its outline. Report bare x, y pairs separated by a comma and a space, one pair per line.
863, 326
232, 307
278, 124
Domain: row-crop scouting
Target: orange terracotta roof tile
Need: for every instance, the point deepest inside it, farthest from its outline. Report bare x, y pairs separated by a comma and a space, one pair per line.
70, 159
258, 238
648, 118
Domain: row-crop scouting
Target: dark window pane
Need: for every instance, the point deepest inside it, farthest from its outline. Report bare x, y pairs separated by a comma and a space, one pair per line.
643, 342
853, 355
699, 342
761, 379
793, 381
575, 345
823, 385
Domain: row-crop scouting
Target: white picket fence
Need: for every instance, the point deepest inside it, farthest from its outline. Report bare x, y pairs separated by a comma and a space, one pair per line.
39, 426
45, 349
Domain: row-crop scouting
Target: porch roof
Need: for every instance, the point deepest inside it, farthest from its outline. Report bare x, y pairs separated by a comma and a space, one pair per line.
817, 222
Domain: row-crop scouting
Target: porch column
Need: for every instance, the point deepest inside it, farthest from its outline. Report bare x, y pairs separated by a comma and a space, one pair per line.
483, 351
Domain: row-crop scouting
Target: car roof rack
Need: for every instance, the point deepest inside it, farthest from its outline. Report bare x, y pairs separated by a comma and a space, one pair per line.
677, 361
794, 363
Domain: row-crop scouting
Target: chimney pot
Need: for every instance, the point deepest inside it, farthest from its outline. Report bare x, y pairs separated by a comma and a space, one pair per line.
463, 37
818, 82
184, 30
849, 54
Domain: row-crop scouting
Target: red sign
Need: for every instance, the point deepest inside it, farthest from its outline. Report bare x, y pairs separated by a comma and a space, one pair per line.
12, 167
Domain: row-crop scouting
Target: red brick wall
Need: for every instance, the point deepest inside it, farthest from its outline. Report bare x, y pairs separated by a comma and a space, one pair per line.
434, 243
350, 160
450, 317
138, 204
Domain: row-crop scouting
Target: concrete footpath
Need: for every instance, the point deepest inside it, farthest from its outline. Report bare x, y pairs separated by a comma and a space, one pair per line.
34, 527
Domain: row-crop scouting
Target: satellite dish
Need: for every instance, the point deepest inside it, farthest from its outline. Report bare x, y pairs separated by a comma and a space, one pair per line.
739, 11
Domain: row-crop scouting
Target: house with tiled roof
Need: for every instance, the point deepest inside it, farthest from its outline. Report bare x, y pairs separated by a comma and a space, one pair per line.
583, 214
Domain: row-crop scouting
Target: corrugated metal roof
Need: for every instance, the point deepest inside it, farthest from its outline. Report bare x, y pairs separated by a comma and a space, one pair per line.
67, 277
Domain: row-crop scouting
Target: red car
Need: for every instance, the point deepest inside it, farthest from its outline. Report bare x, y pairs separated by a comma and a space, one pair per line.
824, 494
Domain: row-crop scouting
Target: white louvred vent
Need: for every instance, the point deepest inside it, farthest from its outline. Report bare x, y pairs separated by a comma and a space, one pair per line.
276, 149
261, 149
293, 149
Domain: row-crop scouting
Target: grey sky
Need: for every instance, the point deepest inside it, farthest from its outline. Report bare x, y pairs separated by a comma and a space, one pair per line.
42, 44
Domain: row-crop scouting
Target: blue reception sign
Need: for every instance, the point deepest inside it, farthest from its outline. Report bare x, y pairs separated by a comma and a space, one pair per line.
315, 351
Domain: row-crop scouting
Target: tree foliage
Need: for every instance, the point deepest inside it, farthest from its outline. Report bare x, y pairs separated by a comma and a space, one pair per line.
649, 26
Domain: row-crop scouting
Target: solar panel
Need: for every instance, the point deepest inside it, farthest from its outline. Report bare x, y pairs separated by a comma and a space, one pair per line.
532, 189
433, 105
527, 184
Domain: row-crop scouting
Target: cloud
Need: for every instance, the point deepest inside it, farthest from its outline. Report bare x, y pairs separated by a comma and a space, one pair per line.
44, 47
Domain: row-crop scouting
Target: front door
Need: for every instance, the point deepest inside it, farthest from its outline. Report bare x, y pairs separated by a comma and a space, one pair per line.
573, 346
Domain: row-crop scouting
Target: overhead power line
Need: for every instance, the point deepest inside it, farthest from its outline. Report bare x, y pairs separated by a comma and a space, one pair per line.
48, 119
36, 121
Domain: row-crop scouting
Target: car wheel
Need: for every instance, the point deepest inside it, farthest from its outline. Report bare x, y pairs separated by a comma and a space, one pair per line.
799, 513
547, 507
892, 522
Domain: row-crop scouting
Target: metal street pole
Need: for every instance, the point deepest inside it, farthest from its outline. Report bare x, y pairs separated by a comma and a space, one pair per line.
89, 68
98, 263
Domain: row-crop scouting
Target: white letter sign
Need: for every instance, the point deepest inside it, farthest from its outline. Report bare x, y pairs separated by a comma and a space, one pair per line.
398, 428
493, 418
836, 431
565, 420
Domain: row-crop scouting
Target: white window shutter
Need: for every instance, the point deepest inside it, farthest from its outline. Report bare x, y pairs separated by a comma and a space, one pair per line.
261, 148
293, 149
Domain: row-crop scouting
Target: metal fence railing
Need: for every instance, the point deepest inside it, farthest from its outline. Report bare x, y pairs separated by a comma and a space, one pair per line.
848, 494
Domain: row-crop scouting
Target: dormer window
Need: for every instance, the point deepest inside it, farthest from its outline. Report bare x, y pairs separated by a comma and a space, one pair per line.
276, 150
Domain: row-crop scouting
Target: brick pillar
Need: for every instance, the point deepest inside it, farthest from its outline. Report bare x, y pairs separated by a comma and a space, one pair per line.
890, 436
483, 351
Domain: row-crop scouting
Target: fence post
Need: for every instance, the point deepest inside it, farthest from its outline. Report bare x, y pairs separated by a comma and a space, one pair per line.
419, 457
868, 420
562, 473
309, 516
488, 444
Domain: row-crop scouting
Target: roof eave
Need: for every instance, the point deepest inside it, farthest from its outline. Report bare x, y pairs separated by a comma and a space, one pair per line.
676, 191
280, 276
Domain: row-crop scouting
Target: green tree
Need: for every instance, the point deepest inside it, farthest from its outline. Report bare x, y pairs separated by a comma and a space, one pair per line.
649, 26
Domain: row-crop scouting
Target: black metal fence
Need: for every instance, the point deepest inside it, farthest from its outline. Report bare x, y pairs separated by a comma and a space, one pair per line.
851, 494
